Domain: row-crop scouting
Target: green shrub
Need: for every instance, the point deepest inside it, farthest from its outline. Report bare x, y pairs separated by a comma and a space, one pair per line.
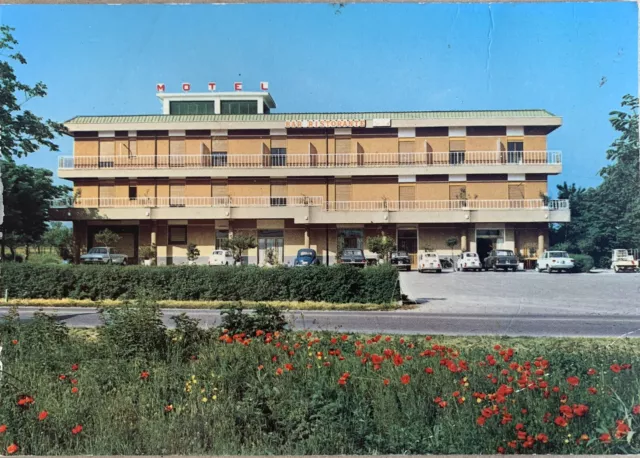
582, 262
604, 262
266, 319
338, 284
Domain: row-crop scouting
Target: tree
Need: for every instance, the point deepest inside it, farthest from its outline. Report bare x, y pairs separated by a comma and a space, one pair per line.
107, 238
382, 245
451, 243
27, 194
238, 244
60, 237
193, 253
22, 132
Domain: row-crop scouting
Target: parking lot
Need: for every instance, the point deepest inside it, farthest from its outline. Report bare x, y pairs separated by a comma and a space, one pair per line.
526, 293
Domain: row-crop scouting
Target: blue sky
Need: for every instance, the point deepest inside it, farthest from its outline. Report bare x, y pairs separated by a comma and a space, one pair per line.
100, 60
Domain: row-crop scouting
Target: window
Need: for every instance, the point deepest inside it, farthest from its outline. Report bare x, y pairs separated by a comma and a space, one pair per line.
219, 159
278, 157
351, 239
239, 107
456, 151
177, 235
133, 192
192, 108
515, 152
271, 240
176, 195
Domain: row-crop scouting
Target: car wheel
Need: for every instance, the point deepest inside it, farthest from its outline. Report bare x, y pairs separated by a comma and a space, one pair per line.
538, 268
616, 269
439, 271
109, 262
495, 269
124, 262
515, 269
549, 269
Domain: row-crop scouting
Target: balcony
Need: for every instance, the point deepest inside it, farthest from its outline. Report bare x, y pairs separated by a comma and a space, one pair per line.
229, 165
313, 210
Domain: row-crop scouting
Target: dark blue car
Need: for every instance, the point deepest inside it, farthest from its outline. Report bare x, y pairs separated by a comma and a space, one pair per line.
306, 257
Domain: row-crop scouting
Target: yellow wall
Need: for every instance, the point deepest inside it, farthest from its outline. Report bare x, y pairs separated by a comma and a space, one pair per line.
249, 187
307, 187
86, 189
293, 241
432, 191
86, 147
368, 189
532, 189
487, 190
198, 187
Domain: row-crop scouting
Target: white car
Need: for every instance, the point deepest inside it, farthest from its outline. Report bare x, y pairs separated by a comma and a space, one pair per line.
429, 260
221, 258
469, 261
554, 260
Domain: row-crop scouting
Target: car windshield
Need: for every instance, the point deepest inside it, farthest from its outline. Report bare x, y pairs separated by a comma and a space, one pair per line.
218, 253
98, 251
471, 255
504, 253
431, 255
621, 252
399, 254
353, 252
558, 254
306, 253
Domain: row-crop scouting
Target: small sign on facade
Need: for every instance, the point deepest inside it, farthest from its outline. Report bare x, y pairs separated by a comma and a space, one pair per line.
237, 86
186, 87
325, 123
381, 122
212, 86
159, 87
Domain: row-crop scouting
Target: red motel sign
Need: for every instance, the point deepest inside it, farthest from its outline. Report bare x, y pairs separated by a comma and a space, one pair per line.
159, 87
264, 85
186, 87
212, 86
237, 86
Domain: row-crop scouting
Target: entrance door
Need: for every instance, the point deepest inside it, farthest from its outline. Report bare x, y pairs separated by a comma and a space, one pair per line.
408, 241
487, 240
271, 240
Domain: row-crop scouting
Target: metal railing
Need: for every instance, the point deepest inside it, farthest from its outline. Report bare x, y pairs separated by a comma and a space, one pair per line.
229, 161
314, 201
224, 202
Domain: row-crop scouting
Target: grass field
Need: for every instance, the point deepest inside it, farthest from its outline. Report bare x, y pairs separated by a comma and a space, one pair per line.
135, 388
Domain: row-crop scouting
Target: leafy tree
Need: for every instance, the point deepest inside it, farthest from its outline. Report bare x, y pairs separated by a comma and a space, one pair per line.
26, 196
382, 245
451, 243
193, 252
60, 237
22, 132
238, 244
107, 238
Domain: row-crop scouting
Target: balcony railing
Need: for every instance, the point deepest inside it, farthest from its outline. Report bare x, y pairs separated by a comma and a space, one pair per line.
230, 161
314, 201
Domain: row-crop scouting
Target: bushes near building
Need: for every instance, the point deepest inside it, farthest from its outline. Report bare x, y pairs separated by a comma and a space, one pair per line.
337, 284
582, 262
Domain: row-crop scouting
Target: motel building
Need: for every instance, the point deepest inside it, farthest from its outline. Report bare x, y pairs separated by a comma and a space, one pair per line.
213, 164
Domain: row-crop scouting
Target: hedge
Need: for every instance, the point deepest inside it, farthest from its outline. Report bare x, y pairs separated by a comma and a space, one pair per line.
582, 262
337, 284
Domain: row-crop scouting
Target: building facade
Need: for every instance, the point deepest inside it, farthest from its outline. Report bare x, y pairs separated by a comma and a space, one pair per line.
214, 164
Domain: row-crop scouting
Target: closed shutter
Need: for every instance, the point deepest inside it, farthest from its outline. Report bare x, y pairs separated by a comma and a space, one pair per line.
219, 188
343, 190
279, 142
456, 145
407, 197
406, 150
176, 152
176, 195
343, 151
219, 145
122, 147
107, 193
278, 188
133, 148
516, 191
106, 150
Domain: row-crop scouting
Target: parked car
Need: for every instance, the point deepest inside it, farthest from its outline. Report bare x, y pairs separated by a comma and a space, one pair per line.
622, 261
306, 257
554, 260
104, 255
469, 261
429, 260
501, 259
401, 260
221, 258
353, 257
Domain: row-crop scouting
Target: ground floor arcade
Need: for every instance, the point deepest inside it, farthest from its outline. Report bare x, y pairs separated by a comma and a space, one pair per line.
171, 237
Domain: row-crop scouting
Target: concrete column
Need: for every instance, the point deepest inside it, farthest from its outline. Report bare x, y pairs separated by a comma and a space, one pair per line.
307, 241
154, 231
79, 239
463, 241
540, 244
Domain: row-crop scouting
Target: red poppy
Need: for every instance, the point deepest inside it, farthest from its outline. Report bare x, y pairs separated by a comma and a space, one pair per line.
636, 409
168, 408
456, 394
333, 341
480, 421
622, 429
519, 427
11, 449
512, 444
279, 371
605, 438
497, 347
500, 450
62, 377
522, 435
14, 341
376, 359
592, 390
524, 411
428, 338
388, 339
566, 411
344, 337
615, 368
76, 429
555, 389
560, 421
288, 366
591, 372
542, 438
259, 332
442, 404
573, 381
405, 379
74, 389
260, 367
397, 360
386, 382
3, 428
44, 414
25, 401
580, 410
74, 367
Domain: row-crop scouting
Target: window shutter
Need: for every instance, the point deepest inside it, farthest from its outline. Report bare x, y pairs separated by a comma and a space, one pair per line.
343, 190
176, 147
219, 188
219, 145
279, 142
407, 147
133, 148
516, 191
106, 148
343, 146
107, 191
407, 193
456, 145
176, 190
278, 188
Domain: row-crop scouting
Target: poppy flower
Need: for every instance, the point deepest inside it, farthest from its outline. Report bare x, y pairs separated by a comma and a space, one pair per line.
74, 381
566, 411
560, 421
386, 382
14, 342
62, 377
555, 389
398, 360
605, 438
512, 444
580, 410
500, 450
44, 414
428, 338
25, 401
442, 404
519, 427
74, 367
592, 372
524, 411
168, 408
592, 390
288, 367
542, 438
573, 381
497, 347
74, 389
279, 371
636, 409
3, 428
76, 429
522, 435
376, 359
480, 421
259, 332
11, 449
344, 337
622, 429
615, 368
405, 379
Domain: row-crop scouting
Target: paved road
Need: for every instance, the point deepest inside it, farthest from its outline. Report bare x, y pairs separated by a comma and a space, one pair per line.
410, 322
524, 293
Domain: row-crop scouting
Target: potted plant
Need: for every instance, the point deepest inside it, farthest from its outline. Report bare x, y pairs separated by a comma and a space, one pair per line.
148, 254
192, 254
